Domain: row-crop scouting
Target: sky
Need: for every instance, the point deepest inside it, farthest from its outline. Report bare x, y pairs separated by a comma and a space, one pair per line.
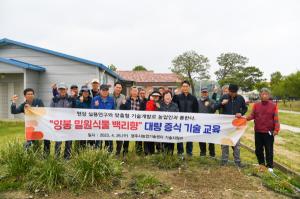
152, 33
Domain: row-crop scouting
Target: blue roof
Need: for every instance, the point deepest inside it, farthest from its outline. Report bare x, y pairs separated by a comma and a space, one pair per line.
22, 64
6, 41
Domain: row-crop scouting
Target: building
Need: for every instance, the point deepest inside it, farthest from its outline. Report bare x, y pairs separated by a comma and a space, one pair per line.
23, 66
151, 81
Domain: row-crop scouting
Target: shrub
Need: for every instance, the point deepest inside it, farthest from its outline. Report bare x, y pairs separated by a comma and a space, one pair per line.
95, 168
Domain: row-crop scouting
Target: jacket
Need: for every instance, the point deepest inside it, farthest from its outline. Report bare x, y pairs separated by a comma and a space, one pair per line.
107, 103
186, 104
265, 116
20, 109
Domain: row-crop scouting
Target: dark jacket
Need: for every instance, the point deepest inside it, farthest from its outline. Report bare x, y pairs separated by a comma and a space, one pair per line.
234, 106
63, 102
206, 109
186, 104
86, 104
127, 105
172, 107
35, 103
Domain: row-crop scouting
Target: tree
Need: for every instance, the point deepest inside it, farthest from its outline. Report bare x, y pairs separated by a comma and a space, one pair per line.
276, 78
112, 67
191, 66
139, 68
249, 77
230, 63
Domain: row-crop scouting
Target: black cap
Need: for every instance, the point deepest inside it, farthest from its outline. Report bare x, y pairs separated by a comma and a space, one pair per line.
85, 88
233, 88
73, 86
204, 89
104, 87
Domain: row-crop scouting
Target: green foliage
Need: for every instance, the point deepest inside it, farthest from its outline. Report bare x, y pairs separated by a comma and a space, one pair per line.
230, 63
16, 160
139, 68
48, 175
191, 66
144, 184
285, 86
233, 69
95, 168
112, 67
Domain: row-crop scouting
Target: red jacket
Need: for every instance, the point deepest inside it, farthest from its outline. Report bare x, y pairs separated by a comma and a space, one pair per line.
151, 105
265, 116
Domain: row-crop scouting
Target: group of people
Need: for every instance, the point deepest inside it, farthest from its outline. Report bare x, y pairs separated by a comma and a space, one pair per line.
264, 114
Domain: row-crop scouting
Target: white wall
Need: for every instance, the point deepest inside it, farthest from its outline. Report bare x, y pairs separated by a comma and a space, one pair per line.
57, 69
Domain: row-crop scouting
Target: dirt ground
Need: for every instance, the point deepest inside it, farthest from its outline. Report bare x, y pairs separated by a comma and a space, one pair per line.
205, 182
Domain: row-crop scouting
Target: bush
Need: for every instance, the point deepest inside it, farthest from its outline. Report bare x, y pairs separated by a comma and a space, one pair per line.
16, 160
48, 175
95, 168
166, 161
148, 184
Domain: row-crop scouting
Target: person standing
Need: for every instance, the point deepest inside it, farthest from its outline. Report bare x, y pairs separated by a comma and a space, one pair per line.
155, 97
187, 103
104, 101
119, 99
136, 104
30, 101
95, 88
84, 102
166, 105
232, 104
206, 105
63, 100
266, 126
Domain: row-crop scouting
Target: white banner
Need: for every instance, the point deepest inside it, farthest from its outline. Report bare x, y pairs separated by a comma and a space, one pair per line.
61, 124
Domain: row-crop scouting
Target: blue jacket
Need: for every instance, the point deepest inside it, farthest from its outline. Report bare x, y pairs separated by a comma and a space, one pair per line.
86, 104
108, 103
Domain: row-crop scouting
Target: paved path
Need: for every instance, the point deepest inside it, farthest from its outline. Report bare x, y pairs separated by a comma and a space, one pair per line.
286, 111
290, 128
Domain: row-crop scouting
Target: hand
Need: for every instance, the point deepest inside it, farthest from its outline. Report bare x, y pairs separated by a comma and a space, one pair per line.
81, 99
124, 101
97, 103
26, 106
157, 105
225, 101
53, 86
206, 103
238, 115
276, 133
14, 99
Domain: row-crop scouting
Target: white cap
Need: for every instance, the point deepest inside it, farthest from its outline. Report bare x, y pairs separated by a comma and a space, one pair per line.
95, 81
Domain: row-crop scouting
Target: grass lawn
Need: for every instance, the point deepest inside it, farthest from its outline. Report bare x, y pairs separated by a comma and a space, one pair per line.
290, 105
286, 147
147, 177
290, 119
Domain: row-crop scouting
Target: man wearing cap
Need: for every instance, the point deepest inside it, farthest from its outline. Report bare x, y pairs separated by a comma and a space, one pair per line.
63, 100
103, 101
266, 127
232, 104
74, 91
95, 88
84, 102
206, 105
